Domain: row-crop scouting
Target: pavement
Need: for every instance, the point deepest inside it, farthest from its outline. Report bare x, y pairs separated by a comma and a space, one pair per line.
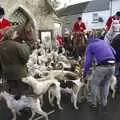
69, 113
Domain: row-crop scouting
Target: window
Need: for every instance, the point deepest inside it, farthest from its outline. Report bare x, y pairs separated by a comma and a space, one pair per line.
95, 18
46, 37
57, 28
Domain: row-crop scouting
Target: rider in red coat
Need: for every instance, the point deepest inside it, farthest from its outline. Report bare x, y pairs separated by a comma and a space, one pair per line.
110, 19
78, 38
4, 23
79, 26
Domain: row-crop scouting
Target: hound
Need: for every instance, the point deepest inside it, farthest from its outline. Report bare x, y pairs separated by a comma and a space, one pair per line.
72, 87
113, 83
41, 87
16, 105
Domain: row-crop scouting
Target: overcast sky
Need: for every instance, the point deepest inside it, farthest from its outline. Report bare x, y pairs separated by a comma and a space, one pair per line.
70, 2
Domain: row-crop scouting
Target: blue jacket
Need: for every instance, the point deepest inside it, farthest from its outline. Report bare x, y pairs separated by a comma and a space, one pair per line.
99, 49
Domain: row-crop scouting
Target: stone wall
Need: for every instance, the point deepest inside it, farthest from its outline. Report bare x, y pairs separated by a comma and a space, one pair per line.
34, 9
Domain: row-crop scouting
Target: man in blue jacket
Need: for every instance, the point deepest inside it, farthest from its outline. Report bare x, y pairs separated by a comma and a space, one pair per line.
104, 56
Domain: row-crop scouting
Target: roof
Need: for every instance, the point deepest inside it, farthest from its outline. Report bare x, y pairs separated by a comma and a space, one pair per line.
73, 9
91, 6
97, 5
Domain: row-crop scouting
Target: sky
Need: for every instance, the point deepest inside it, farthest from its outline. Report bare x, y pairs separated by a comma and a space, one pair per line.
70, 2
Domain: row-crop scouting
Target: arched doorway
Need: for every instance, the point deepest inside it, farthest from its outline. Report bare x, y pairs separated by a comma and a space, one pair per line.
23, 21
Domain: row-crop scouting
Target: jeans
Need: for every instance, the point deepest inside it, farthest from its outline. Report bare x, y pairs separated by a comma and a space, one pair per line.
100, 81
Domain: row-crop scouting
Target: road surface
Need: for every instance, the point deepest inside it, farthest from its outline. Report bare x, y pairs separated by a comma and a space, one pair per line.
69, 113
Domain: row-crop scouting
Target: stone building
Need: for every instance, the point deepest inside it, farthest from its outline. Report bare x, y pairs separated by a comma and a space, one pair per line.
31, 13
94, 13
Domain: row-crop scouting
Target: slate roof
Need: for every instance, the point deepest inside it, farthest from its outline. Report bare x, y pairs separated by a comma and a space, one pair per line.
73, 9
97, 5
91, 6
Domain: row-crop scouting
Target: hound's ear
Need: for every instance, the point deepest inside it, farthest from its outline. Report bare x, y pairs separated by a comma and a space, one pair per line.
81, 79
37, 76
49, 69
39, 54
61, 81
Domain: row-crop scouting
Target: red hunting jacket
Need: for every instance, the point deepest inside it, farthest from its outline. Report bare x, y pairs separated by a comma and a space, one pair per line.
109, 22
59, 40
4, 23
79, 28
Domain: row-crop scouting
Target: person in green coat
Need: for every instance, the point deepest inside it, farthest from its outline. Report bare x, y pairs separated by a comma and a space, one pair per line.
13, 59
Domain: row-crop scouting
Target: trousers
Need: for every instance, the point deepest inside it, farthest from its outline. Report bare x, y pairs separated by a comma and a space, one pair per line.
100, 83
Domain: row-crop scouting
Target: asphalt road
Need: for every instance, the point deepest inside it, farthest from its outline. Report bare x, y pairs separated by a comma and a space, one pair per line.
69, 113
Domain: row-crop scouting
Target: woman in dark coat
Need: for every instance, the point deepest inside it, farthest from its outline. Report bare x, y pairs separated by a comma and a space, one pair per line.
13, 59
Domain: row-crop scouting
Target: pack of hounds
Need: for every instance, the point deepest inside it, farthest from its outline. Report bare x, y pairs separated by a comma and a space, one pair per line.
52, 73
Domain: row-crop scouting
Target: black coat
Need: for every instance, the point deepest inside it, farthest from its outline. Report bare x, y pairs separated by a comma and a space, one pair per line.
116, 45
13, 58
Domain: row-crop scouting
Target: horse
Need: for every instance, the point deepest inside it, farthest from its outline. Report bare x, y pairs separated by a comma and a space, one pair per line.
79, 44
